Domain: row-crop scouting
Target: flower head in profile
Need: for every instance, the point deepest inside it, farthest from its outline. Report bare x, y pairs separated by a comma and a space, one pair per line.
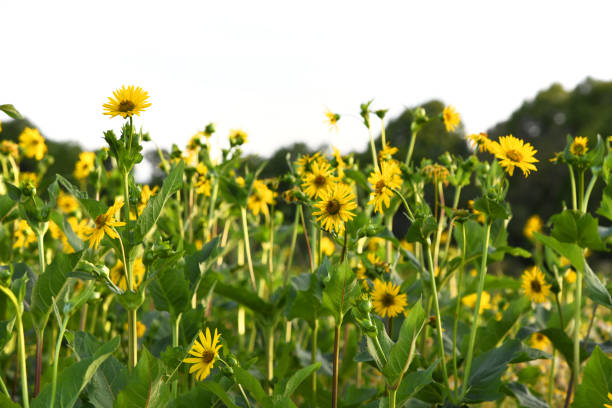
579, 146
305, 162
32, 143
379, 265
117, 274
513, 152
84, 165
451, 118
387, 152
383, 181
237, 137
335, 206
9, 148
105, 224
332, 119
261, 196
534, 284
479, 141
387, 300
320, 178
127, 102
533, 224
204, 352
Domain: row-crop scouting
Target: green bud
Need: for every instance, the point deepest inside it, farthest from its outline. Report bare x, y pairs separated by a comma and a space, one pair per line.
231, 360
364, 305
209, 129
381, 113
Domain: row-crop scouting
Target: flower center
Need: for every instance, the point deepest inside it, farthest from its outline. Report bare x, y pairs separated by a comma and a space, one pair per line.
320, 180
535, 286
101, 220
380, 184
126, 106
514, 155
578, 149
388, 300
208, 356
332, 207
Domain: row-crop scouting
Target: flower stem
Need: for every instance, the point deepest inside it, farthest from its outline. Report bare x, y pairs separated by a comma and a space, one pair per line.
577, 316
458, 310
581, 190
481, 281
58, 346
247, 245
294, 235
588, 192
392, 394
40, 235
411, 147
313, 359
308, 247
335, 366
373, 149
175, 342
573, 184
270, 356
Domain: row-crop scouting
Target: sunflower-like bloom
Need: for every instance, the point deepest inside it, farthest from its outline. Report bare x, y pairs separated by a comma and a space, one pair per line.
378, 264
451, 118
534, 284
579, 146
237, 137
485, 301
533, 224
332, 119
513, 152
319, 179
261, 196
387, 300
67, 203
145, 195
539, 341
203, 354
386, 153
127, 101
202, 183
28, 177
479, 141
327, 246
117, 274
305, 162
84, 165
335, 206
24, 235
9, 148
32, 143
105, 223
384, 181
610, 398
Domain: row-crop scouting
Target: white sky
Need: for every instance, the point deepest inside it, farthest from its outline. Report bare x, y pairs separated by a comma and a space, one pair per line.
272, 67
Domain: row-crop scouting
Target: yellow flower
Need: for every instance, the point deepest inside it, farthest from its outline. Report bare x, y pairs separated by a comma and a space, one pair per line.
204, 353
127, 102
67, 203
9, 148
375, 242
332, 119
57, 233
340, 164
335, 207
202, 184
485, 301
539, 341
319, 179
570, 276
386, 299
24, 235
377, 263
240, 181
145, 195
479, 140
32, 143
105, 223
27, 176
327, 246
534, 285
451, 118
610, 398
80, 228
513, 152
304, 162
384, 181
140, 328
195, 142
436, 172
261, 196
533, 224
237, 137
579, 146
386, 153
117, 274
84, 165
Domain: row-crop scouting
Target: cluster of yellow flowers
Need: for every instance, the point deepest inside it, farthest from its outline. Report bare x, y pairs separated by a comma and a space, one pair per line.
509, 150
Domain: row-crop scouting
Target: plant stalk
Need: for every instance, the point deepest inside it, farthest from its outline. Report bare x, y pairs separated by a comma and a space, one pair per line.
247, 245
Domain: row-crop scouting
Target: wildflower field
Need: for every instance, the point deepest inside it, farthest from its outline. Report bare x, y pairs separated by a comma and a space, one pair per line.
336, 284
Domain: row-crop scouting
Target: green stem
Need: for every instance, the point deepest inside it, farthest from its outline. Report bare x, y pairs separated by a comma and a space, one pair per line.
373, 149
551, 378
577, 316
458, 310
175, 342
573, 184
335, 366
589, 190
4, 389
270, 355
411, 147
308, 247
294, 235
392, 394
247, 245
58, 346
132, 338
313, 359
211, 206
40, 235
451, 225
581, 189
474, 329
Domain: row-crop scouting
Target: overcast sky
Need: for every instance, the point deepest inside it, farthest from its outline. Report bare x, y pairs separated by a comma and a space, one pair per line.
273, 67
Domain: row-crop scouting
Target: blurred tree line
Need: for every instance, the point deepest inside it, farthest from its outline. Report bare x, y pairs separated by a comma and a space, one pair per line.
544, 121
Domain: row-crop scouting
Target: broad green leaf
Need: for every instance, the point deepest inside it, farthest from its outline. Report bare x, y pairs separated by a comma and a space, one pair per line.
11, 111
145, 388
6, 402
110, 377
414, 382
606, 203
298, 377
576, 228
251, 384
72, 380
154, 207
216, 389
524, 397
91, 206
564, 344
198, 396
385, 344
596, 382
50, 284
571, 251
170, 291
496, 330
340, 291
238, 294
494, 208
595, 289
58, 219
193, 272
6, 205
402, 352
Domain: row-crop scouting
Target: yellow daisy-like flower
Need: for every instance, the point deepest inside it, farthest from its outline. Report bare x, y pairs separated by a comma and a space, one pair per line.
451, 118
84, 165
67, 203
327, 246
485, 301
534, 284
145, 195
539, 341
387, 300
386, 153
261, 196
24, 235
383, 181
127, 101
202, 183
9, 148
237, 137
332, 119
117, 274
610, 398
335, 206
533, 224
374, 243
28, 177
579, 146
203, 354
378, 264
32, 143
105, 223
479, 141
513, 152
304, 162
320, 178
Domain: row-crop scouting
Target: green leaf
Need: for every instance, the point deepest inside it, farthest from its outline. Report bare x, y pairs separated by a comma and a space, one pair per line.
49, 285
340, 291
72, 380
154, 207
198, 396
571, 251
402, 352
110, 377
496, 330
216, 389
145, 388
193, 270
414, 382
596, 381
358, 177
6, 402
564, 344
6, 205
91, 207
251, 384
170, 291
524, 397
238, 294
595, 289
298, 377
605, 208
11, 111
385, 343
576, 228
493, 208
58, 219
